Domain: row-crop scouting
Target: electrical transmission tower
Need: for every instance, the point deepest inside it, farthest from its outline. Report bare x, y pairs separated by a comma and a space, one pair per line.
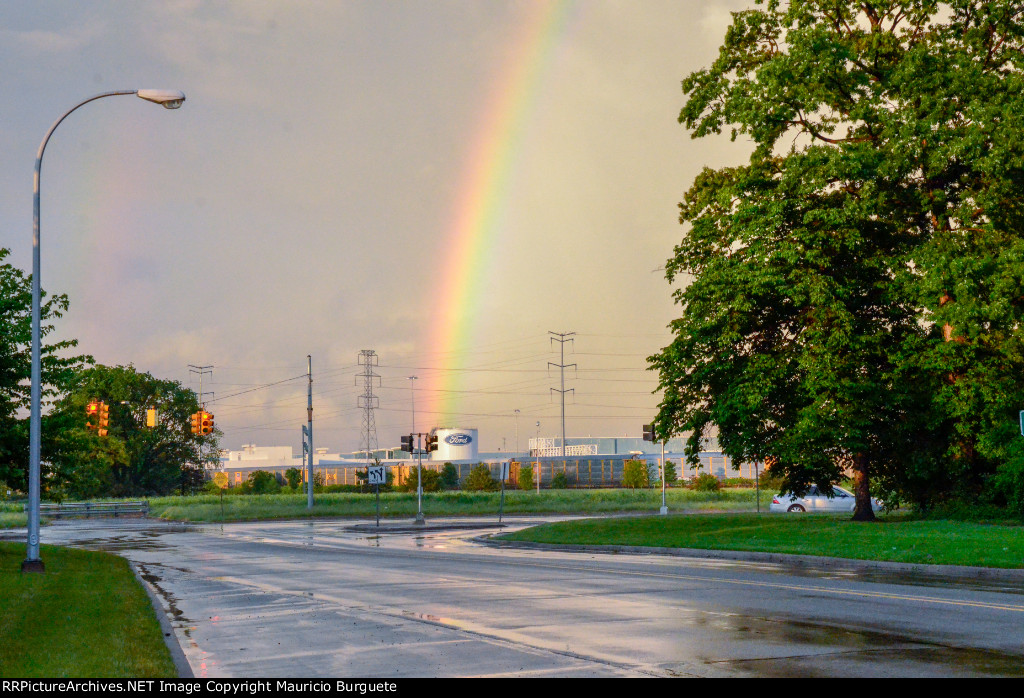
368, 401
562, 338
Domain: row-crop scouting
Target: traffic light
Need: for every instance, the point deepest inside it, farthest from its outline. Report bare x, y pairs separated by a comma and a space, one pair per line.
197, 417
104, 419
92, 413
648, 432
151, 417
432, 443
206, 422
407, 443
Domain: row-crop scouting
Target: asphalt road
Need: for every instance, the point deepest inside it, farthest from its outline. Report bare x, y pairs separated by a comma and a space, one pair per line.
322, 599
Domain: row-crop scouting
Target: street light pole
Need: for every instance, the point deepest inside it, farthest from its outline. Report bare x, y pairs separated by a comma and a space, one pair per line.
170, 99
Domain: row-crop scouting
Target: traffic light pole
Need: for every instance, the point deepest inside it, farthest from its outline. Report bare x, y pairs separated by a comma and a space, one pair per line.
420, 520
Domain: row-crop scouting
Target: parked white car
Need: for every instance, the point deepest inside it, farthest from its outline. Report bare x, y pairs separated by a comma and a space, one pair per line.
816, 500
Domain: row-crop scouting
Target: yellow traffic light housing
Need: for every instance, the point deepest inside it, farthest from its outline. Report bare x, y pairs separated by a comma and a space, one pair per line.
104, 413
92, 413
196, 419
206, 423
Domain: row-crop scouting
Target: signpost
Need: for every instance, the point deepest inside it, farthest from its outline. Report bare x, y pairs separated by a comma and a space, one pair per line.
221, 480
375, 476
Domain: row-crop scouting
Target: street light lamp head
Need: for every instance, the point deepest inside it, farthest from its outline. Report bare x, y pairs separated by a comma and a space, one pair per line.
170, 99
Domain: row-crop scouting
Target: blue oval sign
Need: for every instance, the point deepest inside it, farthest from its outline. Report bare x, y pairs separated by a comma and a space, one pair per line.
458, 439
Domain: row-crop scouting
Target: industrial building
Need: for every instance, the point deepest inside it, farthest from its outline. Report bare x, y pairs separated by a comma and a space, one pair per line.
588, 461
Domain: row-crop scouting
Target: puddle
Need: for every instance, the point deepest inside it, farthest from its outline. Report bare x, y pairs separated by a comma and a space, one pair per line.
809, 650
177, 615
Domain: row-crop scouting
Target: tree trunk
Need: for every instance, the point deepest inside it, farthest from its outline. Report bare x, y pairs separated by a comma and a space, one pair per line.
861, 490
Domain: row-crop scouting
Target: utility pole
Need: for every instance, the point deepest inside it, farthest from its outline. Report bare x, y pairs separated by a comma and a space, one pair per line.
419, 467
368, 401
517, 434
538, 458
561, 338
309, 433
201, 370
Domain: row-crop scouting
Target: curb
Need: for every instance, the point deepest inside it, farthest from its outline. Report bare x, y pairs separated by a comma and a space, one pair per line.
954, 572
181, 665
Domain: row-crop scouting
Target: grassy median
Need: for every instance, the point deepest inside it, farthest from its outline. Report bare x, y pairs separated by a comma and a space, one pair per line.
85, 617
891, 538
403, 504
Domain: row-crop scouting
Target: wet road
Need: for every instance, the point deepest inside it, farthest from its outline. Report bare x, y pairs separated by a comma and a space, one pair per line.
321, 599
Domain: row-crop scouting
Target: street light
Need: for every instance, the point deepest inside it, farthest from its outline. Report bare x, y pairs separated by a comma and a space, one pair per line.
170, 99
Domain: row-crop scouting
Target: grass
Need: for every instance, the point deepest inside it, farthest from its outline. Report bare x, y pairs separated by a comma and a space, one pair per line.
403, 504
85, 617
891, 538
12, 515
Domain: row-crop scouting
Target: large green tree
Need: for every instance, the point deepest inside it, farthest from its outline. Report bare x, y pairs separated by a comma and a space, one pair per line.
132, 459
855, 296
58, 371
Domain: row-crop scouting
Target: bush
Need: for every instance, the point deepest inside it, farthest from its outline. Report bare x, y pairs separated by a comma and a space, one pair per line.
294, 477
635, 474
262, 482
559, 481
706, 482
526, 477
431, 480
670, 472
480, 480
449, 477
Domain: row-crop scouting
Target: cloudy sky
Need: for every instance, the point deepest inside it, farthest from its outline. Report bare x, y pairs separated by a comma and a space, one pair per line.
443, 182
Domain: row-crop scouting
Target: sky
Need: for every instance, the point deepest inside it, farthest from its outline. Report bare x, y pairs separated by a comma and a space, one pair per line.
443, 182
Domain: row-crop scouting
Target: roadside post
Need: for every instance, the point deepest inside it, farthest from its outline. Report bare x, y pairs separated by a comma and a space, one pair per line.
504, 476
376, 477
221, 480
757, 486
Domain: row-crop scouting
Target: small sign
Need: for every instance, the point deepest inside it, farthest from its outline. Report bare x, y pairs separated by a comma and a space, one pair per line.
504, 471
375, 475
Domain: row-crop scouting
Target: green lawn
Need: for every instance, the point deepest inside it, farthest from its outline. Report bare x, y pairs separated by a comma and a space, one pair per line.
892, 538
403, 504
85, 617
12, 515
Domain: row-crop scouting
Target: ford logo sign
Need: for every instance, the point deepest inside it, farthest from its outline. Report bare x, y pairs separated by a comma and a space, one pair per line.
458, 439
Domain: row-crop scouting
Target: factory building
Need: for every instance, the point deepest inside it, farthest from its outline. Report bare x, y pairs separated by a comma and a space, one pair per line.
588, 461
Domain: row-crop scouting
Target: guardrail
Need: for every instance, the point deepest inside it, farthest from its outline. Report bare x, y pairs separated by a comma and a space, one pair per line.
89, 509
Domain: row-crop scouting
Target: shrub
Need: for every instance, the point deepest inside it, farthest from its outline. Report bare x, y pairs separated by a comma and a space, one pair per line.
294, 477
635, 474
526, 477
559, 481
480, 480
670, 472
431, 480
262, 482
449, 477
706, 482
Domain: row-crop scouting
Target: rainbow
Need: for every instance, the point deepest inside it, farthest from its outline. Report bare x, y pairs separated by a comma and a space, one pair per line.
482, 199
